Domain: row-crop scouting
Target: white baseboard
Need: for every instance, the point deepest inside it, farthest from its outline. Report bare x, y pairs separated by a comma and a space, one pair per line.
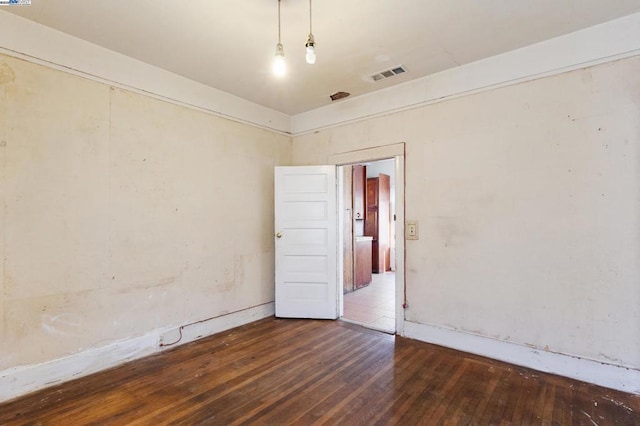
18, 381
599, 373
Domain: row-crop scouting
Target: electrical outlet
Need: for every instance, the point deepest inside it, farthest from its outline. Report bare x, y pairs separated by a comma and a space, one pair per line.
411, 230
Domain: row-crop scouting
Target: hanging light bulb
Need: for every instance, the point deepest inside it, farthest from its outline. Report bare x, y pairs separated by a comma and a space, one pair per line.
311, 50
311, 44
279, 66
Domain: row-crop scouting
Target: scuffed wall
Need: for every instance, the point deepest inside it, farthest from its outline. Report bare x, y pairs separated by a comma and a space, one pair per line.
122, 214
528, 199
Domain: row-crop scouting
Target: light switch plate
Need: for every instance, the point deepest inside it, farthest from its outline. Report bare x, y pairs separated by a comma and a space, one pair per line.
411, 230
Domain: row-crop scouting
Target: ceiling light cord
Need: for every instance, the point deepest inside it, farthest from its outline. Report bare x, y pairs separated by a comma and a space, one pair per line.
310, 19
279, 35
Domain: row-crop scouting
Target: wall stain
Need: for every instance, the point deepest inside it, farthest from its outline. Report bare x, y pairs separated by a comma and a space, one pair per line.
62, 324
232, 279
148, 284
586, 76
239, 270
7, 75
452, 231
229, 281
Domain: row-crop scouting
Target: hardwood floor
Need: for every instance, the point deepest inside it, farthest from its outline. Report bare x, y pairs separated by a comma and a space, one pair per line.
303, 372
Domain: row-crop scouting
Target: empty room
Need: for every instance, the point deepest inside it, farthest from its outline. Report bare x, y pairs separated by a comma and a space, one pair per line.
320, 212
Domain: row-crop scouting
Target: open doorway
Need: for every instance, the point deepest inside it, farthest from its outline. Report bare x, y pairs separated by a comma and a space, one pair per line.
369, 244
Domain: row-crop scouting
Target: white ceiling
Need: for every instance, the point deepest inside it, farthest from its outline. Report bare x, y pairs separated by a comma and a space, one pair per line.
229, 44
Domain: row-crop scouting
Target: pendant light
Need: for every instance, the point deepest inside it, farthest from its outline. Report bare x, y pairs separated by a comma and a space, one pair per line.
279, 66
311, 44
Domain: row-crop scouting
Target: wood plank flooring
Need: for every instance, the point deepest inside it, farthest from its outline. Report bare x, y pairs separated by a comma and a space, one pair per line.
304, 372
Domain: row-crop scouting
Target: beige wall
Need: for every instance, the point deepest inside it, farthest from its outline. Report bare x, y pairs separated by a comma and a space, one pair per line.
123, 214
528, 199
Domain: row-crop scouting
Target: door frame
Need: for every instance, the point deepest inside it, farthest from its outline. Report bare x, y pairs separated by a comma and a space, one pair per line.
397, 153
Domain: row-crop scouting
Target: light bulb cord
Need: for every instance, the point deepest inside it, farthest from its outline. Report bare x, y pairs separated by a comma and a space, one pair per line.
310, 19
279, 37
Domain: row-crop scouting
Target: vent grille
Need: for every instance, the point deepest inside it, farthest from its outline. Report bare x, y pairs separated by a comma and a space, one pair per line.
381, 75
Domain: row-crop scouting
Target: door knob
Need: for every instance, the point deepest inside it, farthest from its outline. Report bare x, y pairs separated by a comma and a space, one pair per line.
279, 235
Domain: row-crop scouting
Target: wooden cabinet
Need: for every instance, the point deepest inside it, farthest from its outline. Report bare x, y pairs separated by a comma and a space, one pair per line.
377, 221
363, 262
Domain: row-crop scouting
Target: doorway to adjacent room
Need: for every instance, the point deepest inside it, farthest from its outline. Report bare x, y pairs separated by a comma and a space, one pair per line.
369, 283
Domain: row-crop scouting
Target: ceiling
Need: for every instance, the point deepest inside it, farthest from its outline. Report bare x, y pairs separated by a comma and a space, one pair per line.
229, 44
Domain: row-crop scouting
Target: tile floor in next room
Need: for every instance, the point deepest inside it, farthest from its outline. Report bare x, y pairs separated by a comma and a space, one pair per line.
373, 305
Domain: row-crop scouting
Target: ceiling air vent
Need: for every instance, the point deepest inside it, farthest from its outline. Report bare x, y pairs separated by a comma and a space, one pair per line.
387, 73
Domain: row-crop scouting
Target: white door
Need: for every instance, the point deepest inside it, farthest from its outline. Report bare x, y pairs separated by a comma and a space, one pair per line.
305, 242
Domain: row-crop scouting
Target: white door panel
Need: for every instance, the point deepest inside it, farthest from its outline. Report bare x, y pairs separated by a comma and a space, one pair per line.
305, 242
